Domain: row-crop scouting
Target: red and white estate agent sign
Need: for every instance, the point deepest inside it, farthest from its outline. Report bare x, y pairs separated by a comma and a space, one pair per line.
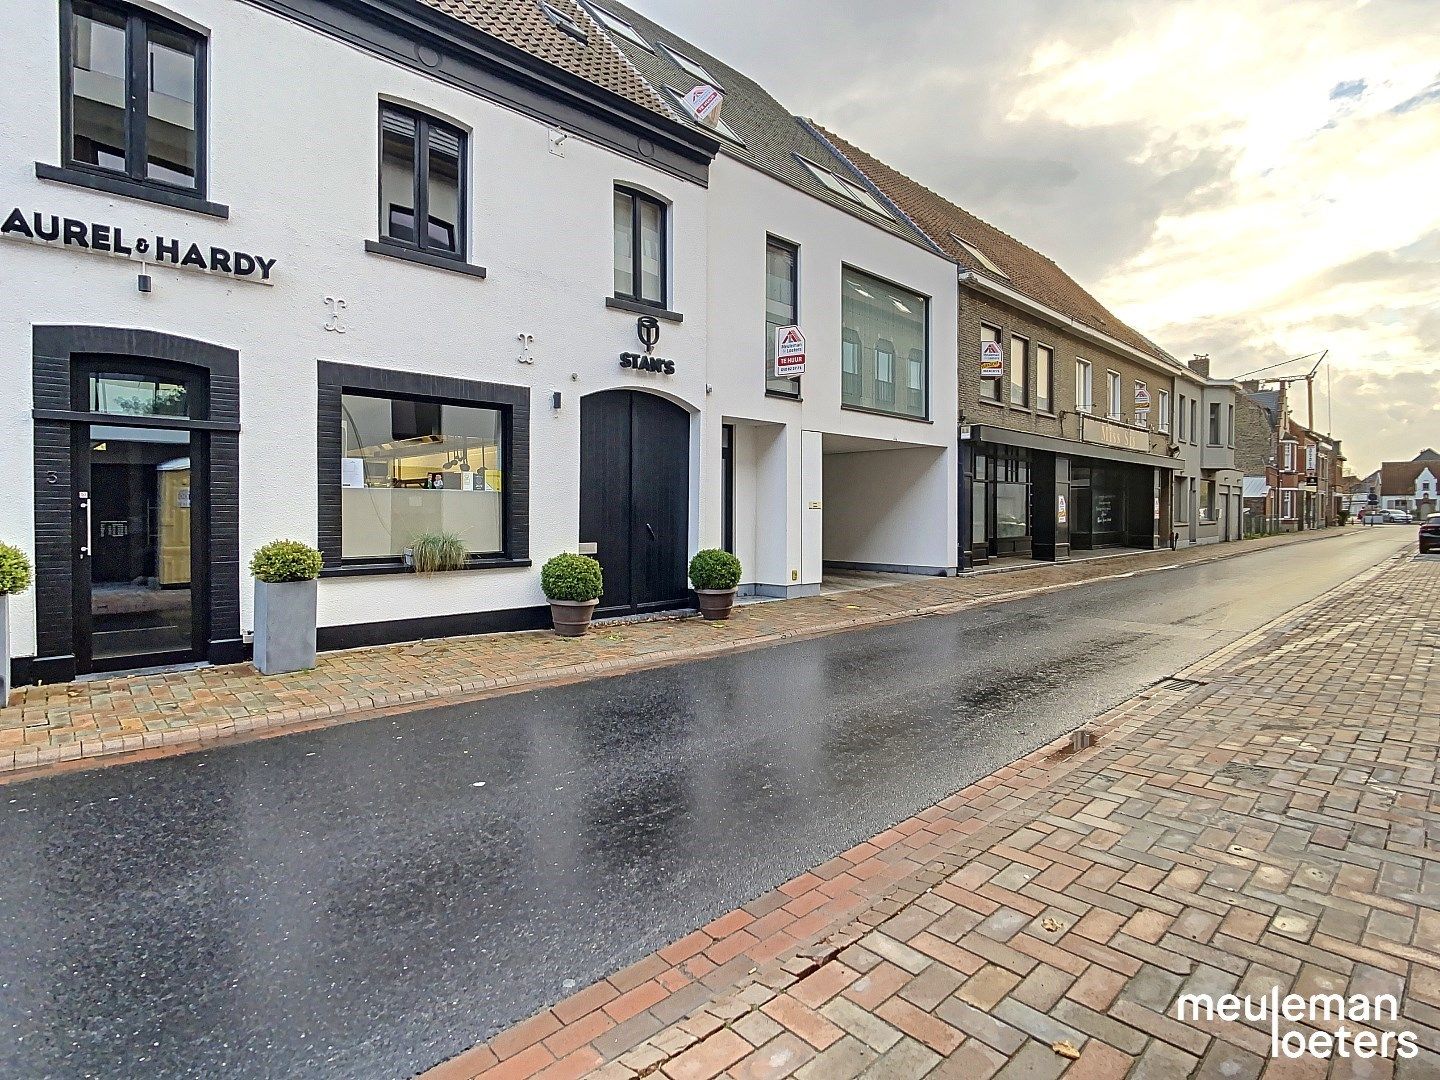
992, 360
789, 352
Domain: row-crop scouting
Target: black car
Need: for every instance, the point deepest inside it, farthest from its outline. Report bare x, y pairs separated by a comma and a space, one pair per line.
1430, 534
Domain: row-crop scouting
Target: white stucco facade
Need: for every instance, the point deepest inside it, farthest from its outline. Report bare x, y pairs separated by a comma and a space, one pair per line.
292, 156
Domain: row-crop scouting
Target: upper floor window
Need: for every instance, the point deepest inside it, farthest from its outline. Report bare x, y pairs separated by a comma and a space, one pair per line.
1044, 378
1019, 371
422, 180
1214, 438
990, 388
888, 323
1287, 456
133, 95
1184, 413
639, 247
1162, 409
1113, 403
1084, 386
782, 308
1194, 421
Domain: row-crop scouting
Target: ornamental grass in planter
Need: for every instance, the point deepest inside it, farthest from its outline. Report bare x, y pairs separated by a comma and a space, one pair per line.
716, 577
433, 553
14, 578
573, 584
285, 601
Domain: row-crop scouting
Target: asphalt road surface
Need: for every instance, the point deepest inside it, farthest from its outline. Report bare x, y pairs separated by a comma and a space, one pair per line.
368, 900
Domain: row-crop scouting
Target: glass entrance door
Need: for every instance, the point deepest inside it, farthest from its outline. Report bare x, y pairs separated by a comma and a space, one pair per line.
135, 539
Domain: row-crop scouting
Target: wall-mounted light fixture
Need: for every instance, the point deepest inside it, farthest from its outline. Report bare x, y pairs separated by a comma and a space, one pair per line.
555, 399
145, 284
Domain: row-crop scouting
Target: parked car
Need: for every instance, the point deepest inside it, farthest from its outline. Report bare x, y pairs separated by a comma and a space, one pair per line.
1385, 517
1430, 534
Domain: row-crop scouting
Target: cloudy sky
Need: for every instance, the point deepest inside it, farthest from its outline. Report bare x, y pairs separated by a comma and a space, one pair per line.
1255, 179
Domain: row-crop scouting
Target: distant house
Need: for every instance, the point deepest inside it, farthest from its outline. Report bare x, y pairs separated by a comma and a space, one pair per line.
1412, 486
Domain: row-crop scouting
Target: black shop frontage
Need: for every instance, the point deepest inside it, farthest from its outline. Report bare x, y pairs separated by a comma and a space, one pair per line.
1028, 496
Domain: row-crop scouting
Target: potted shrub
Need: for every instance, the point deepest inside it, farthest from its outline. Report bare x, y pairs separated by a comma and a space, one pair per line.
14, 578
716, 577
430, 553
573, 584
285, 590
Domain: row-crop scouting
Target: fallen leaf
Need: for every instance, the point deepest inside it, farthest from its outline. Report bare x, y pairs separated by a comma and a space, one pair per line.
1053, 925
1066, 1050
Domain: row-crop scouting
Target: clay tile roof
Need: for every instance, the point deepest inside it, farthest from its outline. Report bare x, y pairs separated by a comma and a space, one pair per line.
524, 25
1024, 269
1398, 477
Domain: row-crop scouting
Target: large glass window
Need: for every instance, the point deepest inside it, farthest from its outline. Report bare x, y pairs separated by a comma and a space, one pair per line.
1019, 370
1012, 496
1044, 378
1214, 439
411, 467
1207, 502
884, 321
990, 389
133, 95
137, 395
782, 308
639, 247
421, 180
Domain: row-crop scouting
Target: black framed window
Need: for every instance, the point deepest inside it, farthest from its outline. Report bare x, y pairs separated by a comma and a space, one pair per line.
782, 308
413, 466
133, 95
422, 183
640, 258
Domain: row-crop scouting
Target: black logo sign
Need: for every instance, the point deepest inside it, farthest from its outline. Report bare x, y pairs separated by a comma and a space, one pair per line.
647, 328
646, 362
112, 240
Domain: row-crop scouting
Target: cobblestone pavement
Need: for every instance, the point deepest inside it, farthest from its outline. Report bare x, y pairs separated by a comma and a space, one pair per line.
46, 725
1268, 820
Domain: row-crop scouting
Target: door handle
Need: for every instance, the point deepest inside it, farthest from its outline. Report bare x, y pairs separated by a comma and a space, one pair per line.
650, 529
89, 525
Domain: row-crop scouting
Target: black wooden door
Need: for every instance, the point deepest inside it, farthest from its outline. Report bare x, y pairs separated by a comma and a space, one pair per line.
635, 497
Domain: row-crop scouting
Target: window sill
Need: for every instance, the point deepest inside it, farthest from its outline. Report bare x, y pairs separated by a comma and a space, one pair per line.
383, 569
637, 307
1047, 414
882, 412
783, 397
991, 401
424, 258
130, 189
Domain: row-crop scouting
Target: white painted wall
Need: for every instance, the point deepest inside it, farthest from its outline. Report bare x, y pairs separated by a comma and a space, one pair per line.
745, 207
293, 152
871, 500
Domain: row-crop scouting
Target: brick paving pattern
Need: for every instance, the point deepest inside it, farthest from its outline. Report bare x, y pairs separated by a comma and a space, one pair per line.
50, 724
1266, 820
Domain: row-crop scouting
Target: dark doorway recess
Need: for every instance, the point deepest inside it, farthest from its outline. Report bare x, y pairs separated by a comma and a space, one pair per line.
635, 498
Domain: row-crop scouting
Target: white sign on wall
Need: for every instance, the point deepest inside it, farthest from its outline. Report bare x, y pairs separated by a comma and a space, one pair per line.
1142, 395
789, 352
992, 360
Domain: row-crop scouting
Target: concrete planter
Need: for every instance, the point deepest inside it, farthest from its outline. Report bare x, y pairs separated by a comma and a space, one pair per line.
571, 617
285, 626
4, 649
716, 604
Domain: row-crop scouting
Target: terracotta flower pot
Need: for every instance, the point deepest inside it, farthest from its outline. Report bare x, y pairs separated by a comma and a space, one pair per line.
571, 617
716, 603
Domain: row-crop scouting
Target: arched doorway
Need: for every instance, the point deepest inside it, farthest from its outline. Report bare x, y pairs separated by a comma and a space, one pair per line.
635, 498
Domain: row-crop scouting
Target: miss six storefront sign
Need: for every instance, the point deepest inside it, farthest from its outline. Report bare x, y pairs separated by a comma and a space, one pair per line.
51, 230
789, 352
992, 360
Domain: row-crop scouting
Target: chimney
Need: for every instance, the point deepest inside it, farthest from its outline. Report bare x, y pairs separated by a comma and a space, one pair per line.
1201, 365
1250, 386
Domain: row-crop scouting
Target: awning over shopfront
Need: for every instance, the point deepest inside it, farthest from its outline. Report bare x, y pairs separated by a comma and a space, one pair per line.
986, 433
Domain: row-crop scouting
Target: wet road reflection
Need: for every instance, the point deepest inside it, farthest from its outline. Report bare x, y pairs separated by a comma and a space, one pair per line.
369, 900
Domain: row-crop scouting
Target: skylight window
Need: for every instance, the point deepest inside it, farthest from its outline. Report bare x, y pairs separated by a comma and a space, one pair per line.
852, 193
717, 124
564, 22
693, 68
978, 255
617, 25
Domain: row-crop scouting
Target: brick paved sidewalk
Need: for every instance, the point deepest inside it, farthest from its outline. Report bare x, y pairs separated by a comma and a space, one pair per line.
1268, 820
50, 724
